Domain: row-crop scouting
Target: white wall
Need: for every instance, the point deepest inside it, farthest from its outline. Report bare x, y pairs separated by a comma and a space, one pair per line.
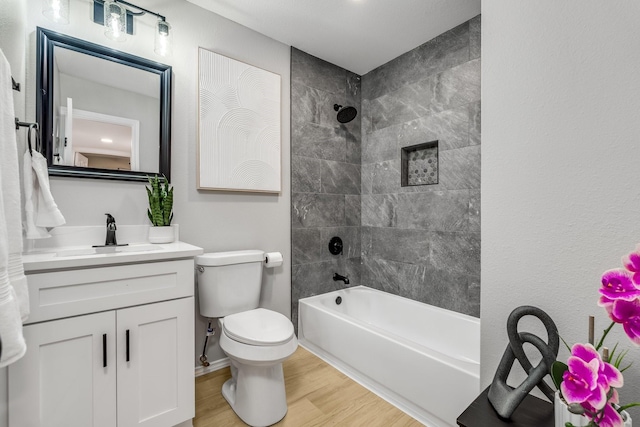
213, 221
560, 163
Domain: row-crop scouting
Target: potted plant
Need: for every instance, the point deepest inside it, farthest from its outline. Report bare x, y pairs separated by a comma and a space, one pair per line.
587, 383
160, 210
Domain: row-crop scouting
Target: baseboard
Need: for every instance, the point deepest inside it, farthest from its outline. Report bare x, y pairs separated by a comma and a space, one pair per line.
214, 366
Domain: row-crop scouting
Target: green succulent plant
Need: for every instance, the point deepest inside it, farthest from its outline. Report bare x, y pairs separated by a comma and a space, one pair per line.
160, 201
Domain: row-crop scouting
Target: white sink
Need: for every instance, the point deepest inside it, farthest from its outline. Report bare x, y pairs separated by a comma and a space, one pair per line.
107, 250
139, 248
75, 252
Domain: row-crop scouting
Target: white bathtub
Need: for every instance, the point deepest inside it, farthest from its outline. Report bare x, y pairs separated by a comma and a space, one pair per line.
421, 358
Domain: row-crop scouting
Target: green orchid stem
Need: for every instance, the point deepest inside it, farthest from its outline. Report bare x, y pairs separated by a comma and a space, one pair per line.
604, 335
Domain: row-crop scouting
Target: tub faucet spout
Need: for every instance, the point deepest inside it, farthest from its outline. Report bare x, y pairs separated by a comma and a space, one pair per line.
337, 277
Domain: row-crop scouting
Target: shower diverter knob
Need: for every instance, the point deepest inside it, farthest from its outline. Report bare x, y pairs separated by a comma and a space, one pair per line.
335, 245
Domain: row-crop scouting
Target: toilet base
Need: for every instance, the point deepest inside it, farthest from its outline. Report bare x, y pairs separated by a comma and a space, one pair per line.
256, 393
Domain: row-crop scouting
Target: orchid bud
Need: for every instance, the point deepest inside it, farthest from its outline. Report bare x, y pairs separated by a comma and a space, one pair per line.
576, 408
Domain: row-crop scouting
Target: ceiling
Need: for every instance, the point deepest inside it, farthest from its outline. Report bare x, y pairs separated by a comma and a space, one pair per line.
358, 35
87, 136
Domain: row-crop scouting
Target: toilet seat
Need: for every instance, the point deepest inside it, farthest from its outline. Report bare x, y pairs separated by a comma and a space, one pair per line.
259, 327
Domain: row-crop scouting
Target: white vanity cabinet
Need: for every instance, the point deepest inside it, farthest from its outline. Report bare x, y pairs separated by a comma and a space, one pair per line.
61, 379
107, 346
156, 378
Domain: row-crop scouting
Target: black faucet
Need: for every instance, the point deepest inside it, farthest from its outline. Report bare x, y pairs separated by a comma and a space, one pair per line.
337, 277
111, 231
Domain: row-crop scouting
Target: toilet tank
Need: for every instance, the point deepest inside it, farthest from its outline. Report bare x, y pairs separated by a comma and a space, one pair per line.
229, 282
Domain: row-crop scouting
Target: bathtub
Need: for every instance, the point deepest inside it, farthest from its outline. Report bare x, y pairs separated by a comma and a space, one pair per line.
421, 358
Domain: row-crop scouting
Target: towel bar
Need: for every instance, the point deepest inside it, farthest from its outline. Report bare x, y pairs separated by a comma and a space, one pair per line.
25, 124
30, 126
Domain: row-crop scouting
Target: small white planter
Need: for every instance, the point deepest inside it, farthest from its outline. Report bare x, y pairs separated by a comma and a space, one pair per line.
562, 415
164, 234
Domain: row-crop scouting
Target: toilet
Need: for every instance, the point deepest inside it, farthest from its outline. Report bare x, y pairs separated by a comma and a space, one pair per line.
256, 340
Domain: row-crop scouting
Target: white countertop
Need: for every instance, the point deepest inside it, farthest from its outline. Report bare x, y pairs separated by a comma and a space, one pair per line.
71, 247
64, 258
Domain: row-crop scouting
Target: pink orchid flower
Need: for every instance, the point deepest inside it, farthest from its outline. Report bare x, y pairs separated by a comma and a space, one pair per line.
588, 379
607, 303
627, 313
632, 263
617, 284
609, 417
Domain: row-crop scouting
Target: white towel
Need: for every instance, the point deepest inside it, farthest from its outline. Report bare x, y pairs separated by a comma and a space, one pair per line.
30, 199
19, 284
41, 211
13, 345
47, 212
12, 279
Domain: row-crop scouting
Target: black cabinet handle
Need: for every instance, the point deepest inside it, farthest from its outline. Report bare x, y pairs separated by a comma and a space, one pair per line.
104, 350
127, 345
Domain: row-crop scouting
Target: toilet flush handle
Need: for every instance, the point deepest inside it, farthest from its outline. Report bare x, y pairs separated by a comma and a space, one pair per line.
200, 269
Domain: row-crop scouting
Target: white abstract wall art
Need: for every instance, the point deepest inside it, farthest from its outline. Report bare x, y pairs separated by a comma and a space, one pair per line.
238, 126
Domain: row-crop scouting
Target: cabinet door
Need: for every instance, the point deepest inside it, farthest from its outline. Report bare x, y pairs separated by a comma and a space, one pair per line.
61, 380
156, 382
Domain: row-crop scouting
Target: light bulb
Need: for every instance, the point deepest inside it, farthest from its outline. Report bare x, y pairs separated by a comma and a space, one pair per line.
163, 38
115, 22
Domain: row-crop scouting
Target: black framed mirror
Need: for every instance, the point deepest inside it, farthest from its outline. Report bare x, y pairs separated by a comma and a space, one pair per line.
102, 113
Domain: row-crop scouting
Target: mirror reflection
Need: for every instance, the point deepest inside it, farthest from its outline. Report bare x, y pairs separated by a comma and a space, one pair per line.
104, 113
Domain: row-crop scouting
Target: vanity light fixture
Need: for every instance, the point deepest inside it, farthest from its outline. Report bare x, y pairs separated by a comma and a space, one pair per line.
106, 140
117, 18
56, 10
163, 39
115, 21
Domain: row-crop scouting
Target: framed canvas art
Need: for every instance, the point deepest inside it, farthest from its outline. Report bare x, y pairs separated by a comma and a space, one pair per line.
239, 146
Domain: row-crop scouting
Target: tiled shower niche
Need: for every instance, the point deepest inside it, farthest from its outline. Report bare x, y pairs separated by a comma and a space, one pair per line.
419, 164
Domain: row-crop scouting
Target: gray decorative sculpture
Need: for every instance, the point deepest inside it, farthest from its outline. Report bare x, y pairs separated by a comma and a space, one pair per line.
504, 398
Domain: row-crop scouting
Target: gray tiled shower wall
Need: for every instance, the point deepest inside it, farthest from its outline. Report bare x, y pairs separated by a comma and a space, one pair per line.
420, 242
325, 177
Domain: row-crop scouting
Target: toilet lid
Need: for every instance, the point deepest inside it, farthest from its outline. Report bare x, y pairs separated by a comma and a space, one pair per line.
258, 327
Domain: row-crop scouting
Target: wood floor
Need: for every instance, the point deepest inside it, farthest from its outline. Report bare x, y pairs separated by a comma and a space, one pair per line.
317, 395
